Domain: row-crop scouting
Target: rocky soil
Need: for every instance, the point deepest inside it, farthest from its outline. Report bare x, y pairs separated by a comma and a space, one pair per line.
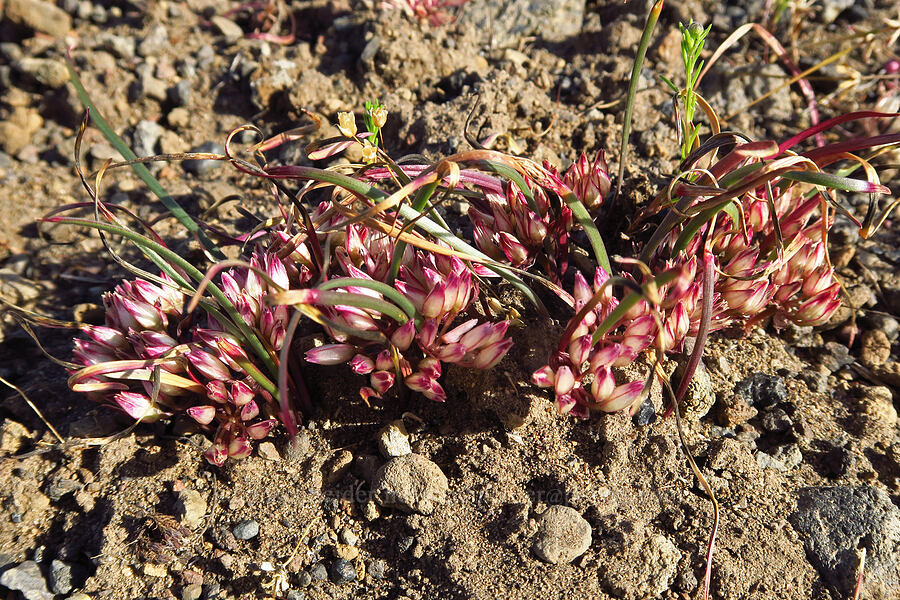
490, 494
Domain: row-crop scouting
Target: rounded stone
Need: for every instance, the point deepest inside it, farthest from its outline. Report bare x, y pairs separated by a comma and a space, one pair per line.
411, 483
562, 535
393, 440
342, 571
246, 530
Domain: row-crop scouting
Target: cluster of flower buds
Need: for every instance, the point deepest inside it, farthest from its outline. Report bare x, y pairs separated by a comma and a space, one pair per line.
204, 367
585, 376
589, 180
506, 229
440, 288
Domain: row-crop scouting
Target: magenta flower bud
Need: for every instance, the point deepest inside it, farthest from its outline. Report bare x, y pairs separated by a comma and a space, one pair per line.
276, 271
435, 392
138, 406
231, 350
640, 309
433, 305
680, 322
456, 334
451, 353
208, 365
748, 301
418, 382
258, 431
818, 281
589, 180
431, 367
249, 411
106, 336
253, 285
239, 448
603, 385
818, 310
544, 377
786, 291
91, 353
230, 288
331, 354
606, 356
565, 380
384, 361
494, 332
381, 381
565, 404
579, 349
489, 356
216, 391
404, 335
515, 251
241, 393
355, 318
362, 365
498, 210
367, 393
428, 333
758, 216
216, 454
623, 396
743, 264
582, 291
202, 414
140, 315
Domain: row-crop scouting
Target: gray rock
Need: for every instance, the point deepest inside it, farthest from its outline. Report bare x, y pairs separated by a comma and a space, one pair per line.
228, 28
192, 591
48, 72
837, 523
833, 8
562, 535
10, 51
348, 537
776, 421
190, 508
376, 568
318, 572
246, 530
146, 135
59, 486
27, 579
504, 23
148, 85
40, 16
298, 448
393, 440
761, 390
411, 483
180, 93
203, 166
120, 46
155, 42
342, 571
60, 577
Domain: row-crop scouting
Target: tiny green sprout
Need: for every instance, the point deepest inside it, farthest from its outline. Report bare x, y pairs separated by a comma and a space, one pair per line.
693, 38
375, 118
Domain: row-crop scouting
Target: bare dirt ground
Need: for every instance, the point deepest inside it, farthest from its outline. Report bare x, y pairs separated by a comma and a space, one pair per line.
802, 445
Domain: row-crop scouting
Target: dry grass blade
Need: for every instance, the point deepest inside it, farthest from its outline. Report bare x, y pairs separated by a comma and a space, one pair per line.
34, 408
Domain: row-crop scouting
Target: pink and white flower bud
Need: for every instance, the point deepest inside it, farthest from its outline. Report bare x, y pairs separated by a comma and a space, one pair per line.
489, 356
277, 272
603, 385
456, 334
216, 454
451, 353
249, 411
580, 348
230, 287
428, 333
239, 448
744, 263
404, 335
384, 361
418, 382
565, 380
431, 367
202, 414
784, 292
818, 281
606, 356
138, 406
241, 393
515, 251
381, 381
435, 392
106, 336
433, 305
217, 392
749, 300
207, 364
758, 216
623, 396
581, 291
331, 354
362, 364
818, 310
141, 315
544, 377
258, 431
92, 353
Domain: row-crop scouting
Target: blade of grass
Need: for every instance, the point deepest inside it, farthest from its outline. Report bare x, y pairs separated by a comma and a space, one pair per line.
649, 26
140, 170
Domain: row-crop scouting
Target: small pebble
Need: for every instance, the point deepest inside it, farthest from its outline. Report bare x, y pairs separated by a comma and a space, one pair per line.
348, 537
342, 571
246, 530
60, 577
318, 572
761, 390
393, 440
376, 568
192, 592
562, 536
